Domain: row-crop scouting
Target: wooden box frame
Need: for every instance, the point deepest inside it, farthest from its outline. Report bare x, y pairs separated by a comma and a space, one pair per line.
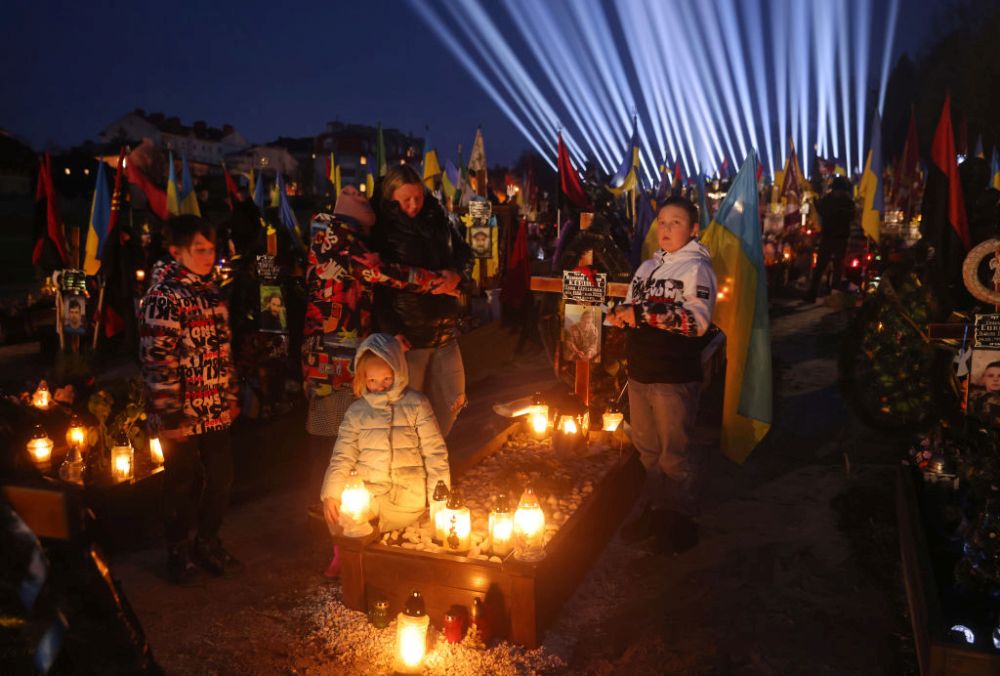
522, 599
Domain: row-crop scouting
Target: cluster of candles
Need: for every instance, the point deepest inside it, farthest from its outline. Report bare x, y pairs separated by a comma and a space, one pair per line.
40, 447
413, 622
520, 530
570, 431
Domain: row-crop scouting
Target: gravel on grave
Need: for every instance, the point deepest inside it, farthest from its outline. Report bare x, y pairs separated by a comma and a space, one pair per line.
561, 480
347, 638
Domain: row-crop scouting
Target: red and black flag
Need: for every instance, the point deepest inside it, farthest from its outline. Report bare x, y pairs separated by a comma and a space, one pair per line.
232, 192
49, 252
117, 308
569, 180
943, 224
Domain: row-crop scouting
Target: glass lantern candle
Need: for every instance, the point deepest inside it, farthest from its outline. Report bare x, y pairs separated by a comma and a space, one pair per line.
41, 399
379, 614
569, 434
156, 451
529, 528
612, 420
76, 435
439, 500
40, 449
411, 632
456, 522
501, 527
538, 417
355, 506
122, 461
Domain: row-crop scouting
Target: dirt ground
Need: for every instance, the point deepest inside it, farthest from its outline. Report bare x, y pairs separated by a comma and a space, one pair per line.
797, 570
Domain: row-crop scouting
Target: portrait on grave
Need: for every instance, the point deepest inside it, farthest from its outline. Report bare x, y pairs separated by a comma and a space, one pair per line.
984, 374
481, 241
582, 332
272, 310
74, 314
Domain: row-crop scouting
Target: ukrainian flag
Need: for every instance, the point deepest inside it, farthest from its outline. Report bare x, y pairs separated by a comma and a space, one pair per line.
189, 200
258, 191
871, 184
734, 240
626, 178
995, 171
173, 202
432, 168
100, 218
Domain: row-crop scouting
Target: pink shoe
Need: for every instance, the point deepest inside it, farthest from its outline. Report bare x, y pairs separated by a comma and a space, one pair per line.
333, 570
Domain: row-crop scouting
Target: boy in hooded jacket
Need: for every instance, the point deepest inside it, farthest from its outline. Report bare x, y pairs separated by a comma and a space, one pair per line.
390, 436
668, 309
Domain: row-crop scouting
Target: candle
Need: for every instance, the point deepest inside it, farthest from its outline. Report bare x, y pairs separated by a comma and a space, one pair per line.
40, 449
41, 399
77, 433
411, 632
611, 420
140, 275
529, 528
355, 505
501, 527
538, 417
156, 451
455, 522
379, 614
439, 500
121, 461
454, 627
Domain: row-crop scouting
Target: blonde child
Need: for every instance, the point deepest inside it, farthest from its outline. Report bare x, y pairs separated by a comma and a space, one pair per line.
390, 436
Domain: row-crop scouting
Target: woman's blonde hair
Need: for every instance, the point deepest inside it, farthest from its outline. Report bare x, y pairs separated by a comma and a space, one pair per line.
396, 176
367, 357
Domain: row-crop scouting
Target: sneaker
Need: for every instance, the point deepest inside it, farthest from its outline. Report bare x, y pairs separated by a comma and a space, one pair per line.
676, 534
641, 527
180, 569
210, 555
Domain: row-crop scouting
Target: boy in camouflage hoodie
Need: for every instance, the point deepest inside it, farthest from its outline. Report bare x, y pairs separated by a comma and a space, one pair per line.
187, 369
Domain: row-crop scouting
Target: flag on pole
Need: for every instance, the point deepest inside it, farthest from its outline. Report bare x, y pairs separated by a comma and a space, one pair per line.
119, 280
97, 229
333, 174
734, 240
871, 189
50, 242
449, 180
232, 192
569, 180
703, 216
625, 179
173, 192
381, 163
477, 157
432, 169
285, 213
188, 197
995, 170
258, 191
943, 223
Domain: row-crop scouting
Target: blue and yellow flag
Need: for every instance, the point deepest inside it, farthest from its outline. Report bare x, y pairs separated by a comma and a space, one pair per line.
870, 189
182, 199
173, 199
627, 176
100, 218
188, 197
995, 170
734, 240
258, 191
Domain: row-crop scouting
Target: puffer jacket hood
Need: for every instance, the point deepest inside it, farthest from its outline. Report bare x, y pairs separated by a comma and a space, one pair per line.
690, 252
390, 351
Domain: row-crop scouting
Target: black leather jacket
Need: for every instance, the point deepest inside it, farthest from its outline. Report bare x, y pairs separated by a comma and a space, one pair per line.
428, 241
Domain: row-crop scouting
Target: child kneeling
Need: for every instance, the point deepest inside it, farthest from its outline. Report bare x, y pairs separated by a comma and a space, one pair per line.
390, 436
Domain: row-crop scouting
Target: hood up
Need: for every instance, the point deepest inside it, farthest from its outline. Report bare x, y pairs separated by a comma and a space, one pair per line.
389, 350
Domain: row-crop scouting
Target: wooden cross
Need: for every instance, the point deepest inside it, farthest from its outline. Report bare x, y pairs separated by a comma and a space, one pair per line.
555, 285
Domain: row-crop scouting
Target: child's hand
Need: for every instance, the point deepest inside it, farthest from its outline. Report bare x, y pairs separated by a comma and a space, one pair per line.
331, 511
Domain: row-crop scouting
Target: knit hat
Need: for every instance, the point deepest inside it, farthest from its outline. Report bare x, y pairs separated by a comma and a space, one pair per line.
354, 205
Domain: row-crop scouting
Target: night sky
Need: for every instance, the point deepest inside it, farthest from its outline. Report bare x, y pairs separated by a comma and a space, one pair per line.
268, 68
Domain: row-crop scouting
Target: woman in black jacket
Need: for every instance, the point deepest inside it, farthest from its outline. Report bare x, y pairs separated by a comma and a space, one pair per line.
413, 229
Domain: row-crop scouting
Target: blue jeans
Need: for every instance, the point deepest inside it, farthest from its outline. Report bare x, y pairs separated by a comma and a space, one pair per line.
439, 373
662, 421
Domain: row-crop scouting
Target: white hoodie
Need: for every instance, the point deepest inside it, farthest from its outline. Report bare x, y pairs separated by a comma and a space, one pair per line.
675, 291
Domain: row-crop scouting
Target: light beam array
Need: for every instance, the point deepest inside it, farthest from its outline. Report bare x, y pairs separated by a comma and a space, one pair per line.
703, 80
